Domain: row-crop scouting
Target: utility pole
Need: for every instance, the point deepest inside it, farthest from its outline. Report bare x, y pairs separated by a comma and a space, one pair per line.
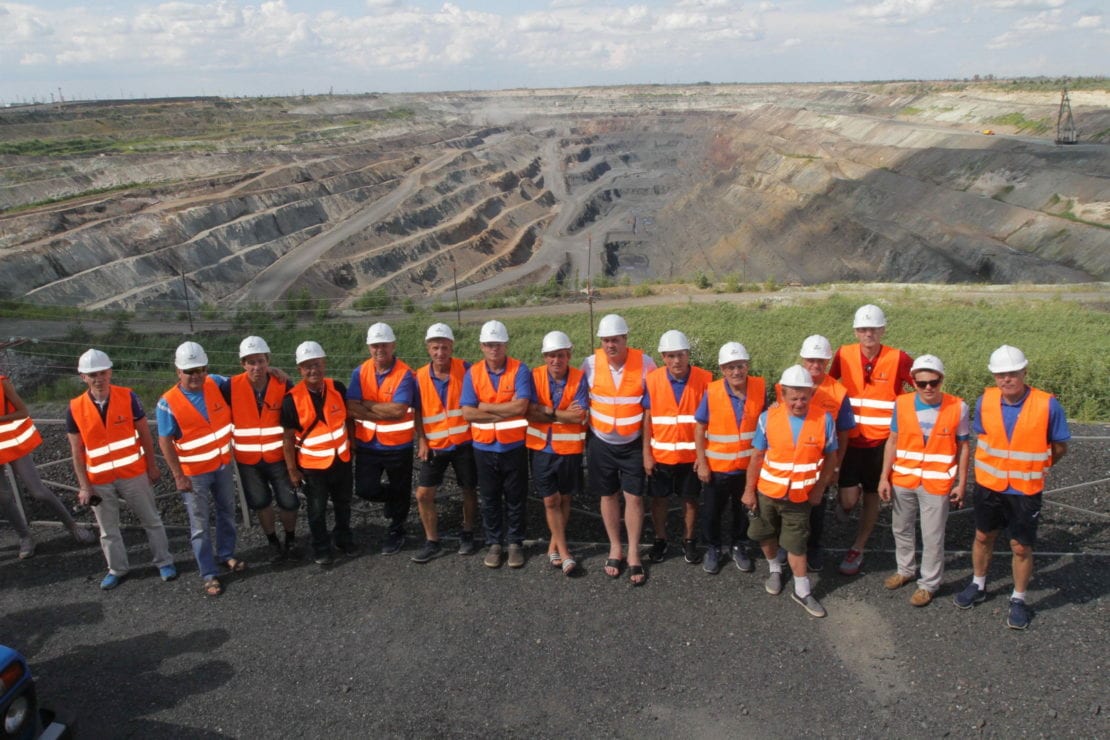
589, 288
185, 290
1065, 124
455, 280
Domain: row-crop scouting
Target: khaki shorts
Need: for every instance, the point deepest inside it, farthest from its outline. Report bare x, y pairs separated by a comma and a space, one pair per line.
783, 519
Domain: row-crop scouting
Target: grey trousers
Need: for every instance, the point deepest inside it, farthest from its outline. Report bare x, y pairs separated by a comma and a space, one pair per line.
25, 468
139, 495
909, 503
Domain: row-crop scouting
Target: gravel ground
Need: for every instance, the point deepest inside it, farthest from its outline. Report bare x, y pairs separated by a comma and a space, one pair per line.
381, 646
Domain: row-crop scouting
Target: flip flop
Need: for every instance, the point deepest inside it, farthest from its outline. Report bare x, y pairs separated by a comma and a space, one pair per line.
569, 566
213, 587
235, 565
555, 559
616, 563
635, 571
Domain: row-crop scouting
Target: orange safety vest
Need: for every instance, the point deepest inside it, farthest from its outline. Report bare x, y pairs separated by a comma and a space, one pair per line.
791, 470
506, 431
566, 439
17, 438
872, 403
930, 464
326, 439
613, 409
672, 423
257, 434
389, 433
205, 444
112, 447
1018, 462
728, 445
443, 426
827, 396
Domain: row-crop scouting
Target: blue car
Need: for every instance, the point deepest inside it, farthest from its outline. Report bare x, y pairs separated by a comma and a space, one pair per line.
19, 707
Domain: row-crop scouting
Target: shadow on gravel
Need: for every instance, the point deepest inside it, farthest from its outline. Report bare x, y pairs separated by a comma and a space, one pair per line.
30, 629
1070, 581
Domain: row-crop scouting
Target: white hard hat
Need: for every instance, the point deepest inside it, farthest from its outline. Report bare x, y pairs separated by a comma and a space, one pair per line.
190, 355
439, 331
379, 333
93, 361
731, 352
869, 317
673, 341
253, 346
554, 341
611, 325
816, 347
796, 376
1007, 359
928, 362
493, 331
309, 351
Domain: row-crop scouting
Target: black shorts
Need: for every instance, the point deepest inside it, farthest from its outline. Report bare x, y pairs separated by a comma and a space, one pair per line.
553, 473
1019, 513
679, 479
862, 466
461, 459
615, 468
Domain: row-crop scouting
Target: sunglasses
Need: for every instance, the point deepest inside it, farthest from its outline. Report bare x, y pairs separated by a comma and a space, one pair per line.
195, 371
927, 383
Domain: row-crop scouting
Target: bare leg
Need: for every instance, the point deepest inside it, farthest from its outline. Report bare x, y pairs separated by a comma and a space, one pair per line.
611, 516
470, 508
690, 518
1022, 565
266, 519
981, 551
867, 519
634, 524
426, 505
553, 510
658, 517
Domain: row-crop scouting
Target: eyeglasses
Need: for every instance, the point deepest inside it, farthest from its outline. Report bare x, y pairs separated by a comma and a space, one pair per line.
195, 371
867, 372
928, 383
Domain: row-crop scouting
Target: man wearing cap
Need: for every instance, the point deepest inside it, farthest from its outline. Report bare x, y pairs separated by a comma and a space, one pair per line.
1021, 432
495, 397
673, 393
113, 459
194, 433
557, 437
316, 445
616, 374
256, 399
830, 396
874, 376
794, 462
725, 424
380, 400
924, 468
443, 439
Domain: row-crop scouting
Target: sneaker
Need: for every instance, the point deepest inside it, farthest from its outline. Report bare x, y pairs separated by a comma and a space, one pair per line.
516, 556
493, 557
658, 551
110, 581
810, 604
712, 564
84, 536
921, 597
394, 541
429, 550
773, 584
350, 548
26, 548
292, 552
1018, 618
895, 581
690, 551
970, 596
851, 563
277, 552
815, 559
167, 572
741, 558
467, 545
323, 557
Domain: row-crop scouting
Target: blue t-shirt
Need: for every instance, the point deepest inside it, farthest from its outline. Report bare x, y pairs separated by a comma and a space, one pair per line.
522, 388
759, 442
405, 394
167, 424
677, 386
581, 397
701, 416
137, 412
441, 387
1058, 430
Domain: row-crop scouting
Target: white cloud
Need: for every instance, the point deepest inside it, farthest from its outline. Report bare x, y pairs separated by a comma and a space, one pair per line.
896, 11
1089, 21
1027, 4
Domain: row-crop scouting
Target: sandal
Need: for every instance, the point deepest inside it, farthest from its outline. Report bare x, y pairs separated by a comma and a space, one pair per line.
617, 564
213, 587
637, 571
235, 565
555, 559
569, 566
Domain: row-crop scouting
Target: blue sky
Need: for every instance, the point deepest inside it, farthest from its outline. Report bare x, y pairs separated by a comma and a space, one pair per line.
279, 47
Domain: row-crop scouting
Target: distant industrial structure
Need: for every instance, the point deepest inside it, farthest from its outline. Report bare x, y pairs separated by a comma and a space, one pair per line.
1065, 124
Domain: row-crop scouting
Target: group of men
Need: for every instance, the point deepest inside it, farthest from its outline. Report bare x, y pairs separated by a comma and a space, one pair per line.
766, 455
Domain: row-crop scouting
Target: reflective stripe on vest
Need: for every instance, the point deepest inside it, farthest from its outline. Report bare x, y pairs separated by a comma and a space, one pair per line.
616, 410
506, 431
389, 433
728, 446
257, 435
205, 444
672, 430
566, 439
112, 448
930, 464
327, 439
443, 426
17, 437
872, 403
791, 470
1021, 461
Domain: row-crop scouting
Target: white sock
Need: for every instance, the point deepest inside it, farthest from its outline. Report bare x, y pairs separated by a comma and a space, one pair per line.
801, 586
776, 566
1019, 595
980, 581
